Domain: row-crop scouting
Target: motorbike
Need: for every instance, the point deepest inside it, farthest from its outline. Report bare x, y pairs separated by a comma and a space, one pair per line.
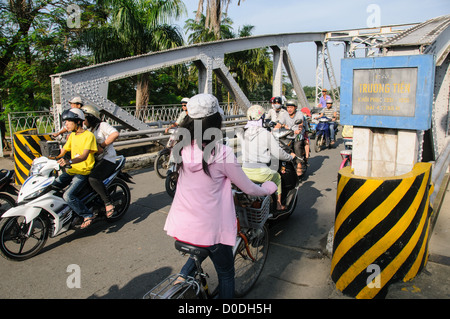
41, 210
163, 161
322, 134
290, 183
313, 120
7, 190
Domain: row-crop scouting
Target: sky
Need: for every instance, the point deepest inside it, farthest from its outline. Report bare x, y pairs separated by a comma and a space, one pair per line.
289, 16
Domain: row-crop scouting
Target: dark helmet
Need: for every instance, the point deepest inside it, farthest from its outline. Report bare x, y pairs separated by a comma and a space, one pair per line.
73, 114
277, 100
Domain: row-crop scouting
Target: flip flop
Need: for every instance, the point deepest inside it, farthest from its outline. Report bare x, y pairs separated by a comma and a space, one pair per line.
87, 222
110, 212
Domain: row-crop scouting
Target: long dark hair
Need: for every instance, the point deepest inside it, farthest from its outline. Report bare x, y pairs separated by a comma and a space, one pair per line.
213, 121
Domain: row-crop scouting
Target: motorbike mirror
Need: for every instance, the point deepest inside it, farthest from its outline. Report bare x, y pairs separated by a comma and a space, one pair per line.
298, 122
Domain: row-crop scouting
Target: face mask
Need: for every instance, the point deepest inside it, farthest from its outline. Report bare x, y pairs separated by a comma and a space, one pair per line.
276, 106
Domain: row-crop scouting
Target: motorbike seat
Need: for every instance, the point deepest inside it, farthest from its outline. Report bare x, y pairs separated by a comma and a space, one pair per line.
191, 249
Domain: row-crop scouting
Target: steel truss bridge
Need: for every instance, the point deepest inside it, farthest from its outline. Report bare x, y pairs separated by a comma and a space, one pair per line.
429, 37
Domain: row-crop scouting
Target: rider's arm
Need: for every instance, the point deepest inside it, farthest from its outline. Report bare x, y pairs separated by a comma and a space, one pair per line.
110, 139
277, 151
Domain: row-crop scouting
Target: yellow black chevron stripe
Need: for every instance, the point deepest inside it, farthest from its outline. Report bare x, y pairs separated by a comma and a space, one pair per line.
26, 149
383, 222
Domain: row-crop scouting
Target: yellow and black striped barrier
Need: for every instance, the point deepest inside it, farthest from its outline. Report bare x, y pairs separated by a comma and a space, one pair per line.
26, 149
381, 230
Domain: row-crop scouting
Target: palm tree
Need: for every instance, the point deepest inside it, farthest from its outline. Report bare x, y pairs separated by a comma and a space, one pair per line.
252, 68
136, 27
198, 33
213, 16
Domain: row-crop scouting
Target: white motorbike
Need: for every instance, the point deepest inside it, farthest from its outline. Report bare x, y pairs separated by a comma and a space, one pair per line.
41, 210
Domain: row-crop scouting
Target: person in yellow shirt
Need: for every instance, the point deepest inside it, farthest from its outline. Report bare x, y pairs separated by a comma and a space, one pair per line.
82, 145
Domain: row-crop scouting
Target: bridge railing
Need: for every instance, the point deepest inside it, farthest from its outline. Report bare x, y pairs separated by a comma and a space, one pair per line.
157, 116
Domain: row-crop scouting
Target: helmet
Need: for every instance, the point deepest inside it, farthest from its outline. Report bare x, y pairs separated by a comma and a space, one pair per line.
91, 110
329, 101
291, 102
255, 112
184, 100
73, 114
277, 100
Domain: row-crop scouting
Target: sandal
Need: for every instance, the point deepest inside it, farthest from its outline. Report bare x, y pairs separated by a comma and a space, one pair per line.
87, 222
110, 212
299, 171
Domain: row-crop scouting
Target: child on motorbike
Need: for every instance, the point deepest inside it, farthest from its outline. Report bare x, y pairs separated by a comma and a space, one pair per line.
258, 146
203, 212
82, 146
105, 161
76, 103
296, 121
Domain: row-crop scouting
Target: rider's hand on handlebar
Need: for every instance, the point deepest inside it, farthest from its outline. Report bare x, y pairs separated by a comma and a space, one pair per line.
270, 187
63, 162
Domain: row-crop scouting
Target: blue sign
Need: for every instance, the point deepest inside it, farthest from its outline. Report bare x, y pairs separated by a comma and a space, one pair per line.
388, 92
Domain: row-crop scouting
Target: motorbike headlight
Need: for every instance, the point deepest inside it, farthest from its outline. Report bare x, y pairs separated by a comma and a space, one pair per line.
36, 168
35, 194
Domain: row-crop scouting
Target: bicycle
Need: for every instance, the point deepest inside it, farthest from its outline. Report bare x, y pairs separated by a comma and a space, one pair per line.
250, 254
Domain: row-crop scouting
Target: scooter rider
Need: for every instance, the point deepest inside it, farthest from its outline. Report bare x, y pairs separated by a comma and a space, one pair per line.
258, 146
82, 145
181, 116
105, 159
276, 111
330, 112
295, 121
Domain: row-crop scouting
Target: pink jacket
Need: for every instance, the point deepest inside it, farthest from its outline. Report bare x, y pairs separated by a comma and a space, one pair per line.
202, 211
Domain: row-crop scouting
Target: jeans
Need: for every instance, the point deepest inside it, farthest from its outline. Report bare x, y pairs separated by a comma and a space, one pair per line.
333, 131
222, 258
77, 182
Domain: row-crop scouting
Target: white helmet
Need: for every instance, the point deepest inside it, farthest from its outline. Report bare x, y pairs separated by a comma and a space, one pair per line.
255, 112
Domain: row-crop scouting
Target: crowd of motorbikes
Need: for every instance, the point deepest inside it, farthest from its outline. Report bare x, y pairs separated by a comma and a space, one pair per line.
166, 168
40, 211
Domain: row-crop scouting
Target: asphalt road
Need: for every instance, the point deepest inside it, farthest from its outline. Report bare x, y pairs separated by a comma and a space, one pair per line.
124, 260
127, 258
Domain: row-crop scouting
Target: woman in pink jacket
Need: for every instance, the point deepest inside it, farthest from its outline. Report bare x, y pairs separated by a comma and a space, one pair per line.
202, 212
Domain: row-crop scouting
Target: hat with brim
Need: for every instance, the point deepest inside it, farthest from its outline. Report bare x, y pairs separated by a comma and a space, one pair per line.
203, 105
76, 100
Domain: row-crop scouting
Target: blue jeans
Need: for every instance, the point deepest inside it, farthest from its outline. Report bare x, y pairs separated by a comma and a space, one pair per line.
77, 182
222, 258
332, 131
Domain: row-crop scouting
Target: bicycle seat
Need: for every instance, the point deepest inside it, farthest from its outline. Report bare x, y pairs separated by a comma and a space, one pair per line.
191, 249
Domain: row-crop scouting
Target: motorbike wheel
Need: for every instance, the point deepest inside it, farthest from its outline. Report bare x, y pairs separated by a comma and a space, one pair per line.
121, 198
171, 183
162, 165
20, 240
319, 143
6, 202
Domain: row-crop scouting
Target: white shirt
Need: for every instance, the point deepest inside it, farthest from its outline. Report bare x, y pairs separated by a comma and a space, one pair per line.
102, 131
274, 115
